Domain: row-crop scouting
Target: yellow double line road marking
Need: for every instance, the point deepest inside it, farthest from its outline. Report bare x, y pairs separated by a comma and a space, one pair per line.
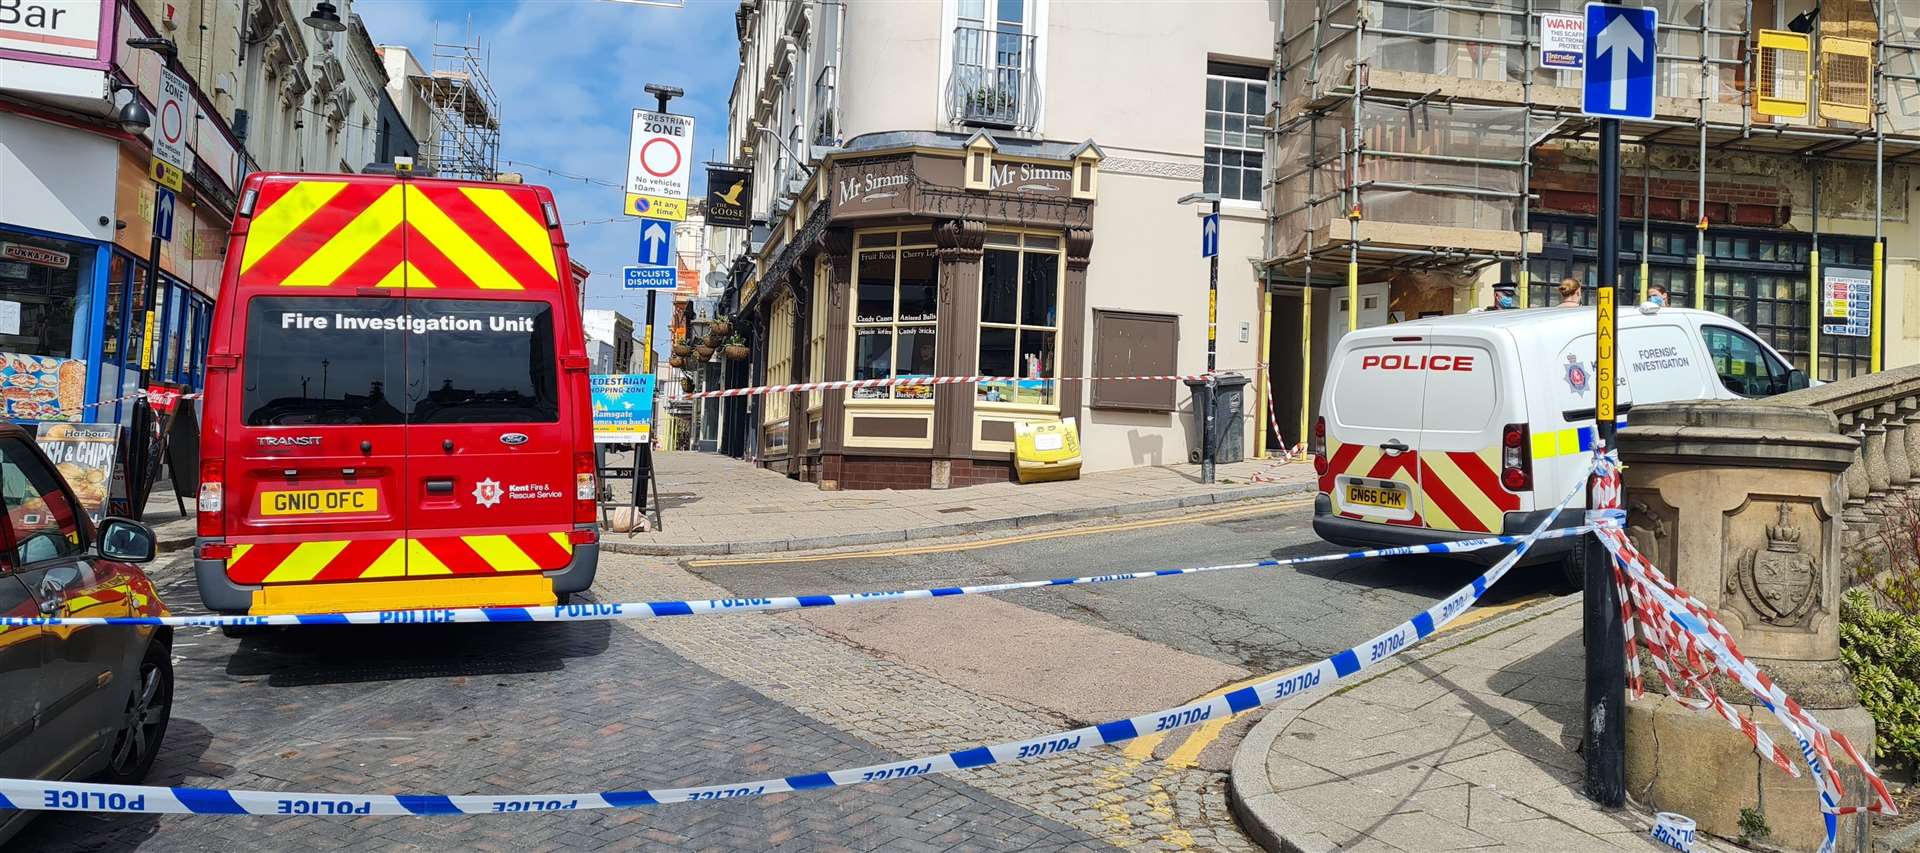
1188, 752
1210, 515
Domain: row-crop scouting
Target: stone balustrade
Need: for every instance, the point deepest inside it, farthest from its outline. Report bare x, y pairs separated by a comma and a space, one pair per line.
1882, 413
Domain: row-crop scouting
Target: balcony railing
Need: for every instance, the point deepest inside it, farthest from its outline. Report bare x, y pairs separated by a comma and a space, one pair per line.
993, 82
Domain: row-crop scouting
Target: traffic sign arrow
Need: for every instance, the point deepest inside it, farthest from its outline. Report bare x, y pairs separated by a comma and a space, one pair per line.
656, 242
1623, 43
1210, 235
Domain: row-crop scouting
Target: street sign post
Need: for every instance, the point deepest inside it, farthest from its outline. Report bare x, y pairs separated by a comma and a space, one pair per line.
1619, 84
648, 278
1210, 235
1620, 59
656, 242
659, 161
163, 202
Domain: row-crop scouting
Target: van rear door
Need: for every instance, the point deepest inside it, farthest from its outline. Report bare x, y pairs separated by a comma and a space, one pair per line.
314, 437
491, 467
1373, 426
1465, 407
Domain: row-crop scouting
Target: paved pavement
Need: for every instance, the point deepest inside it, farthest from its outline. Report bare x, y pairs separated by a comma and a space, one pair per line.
713, 504
1467, 742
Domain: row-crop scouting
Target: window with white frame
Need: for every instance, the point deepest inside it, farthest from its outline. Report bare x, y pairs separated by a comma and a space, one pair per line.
817, 330
896, 306
779, 357
1019, 317
1236, 110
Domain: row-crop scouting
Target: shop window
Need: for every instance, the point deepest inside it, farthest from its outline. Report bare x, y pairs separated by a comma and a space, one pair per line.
1236, 109
779, 343
1132, 343
1019, 318
896, 305
46, 289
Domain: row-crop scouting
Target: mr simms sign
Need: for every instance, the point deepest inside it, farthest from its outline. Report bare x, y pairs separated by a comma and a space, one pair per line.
898, 184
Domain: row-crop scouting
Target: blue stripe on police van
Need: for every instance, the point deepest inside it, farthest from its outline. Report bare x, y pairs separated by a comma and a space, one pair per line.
426, 804
208, 801
1243, 699
324, 619
1346, 663
1117, 731
508, 614
810, 781
948, 590
1423, 624
816, 600
628, 799
670, 608
978, 756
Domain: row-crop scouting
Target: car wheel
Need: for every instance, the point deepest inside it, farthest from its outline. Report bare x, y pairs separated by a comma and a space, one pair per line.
1572, 570
144, 723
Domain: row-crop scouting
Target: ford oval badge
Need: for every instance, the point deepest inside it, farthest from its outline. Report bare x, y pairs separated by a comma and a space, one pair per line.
513, 438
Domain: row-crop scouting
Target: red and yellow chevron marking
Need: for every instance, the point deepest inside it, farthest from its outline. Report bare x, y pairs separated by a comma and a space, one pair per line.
369, 559
319, 233
1462, 491
1363, 460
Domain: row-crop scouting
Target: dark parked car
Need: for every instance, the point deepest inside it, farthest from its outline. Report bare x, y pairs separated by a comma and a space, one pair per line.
75, 702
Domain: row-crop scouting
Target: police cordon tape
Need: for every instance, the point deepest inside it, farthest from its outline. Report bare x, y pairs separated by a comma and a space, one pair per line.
30, 794
1689, 645
926, 381
708, 607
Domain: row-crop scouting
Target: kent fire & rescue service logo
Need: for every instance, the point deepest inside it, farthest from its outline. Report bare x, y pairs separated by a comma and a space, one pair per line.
1576, 375
487, 492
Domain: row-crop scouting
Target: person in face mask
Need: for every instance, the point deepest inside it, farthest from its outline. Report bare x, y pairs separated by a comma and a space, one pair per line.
1657, 295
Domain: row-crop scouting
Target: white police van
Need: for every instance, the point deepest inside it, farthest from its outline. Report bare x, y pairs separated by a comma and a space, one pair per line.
1459, 427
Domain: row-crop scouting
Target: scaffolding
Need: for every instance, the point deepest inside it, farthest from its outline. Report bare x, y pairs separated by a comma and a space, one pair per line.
465, 138
1421, 124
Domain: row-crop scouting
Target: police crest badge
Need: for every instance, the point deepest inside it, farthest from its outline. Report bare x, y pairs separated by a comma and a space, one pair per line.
1577, 376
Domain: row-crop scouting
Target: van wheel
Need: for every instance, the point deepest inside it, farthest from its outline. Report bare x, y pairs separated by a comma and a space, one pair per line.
144, 722
1573, 572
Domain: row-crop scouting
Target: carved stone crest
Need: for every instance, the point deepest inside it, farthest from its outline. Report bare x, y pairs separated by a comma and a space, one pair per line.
1780, 581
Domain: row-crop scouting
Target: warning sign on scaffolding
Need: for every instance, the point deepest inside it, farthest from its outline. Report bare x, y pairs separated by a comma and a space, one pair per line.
1846, 295
1563, 41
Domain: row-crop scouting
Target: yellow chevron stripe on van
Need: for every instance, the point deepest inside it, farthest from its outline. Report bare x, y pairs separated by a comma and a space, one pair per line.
528, 234
500, 553
456, 244
563, 540
421, 561
272, 225
1457, 483
345, 249
306, 561
405, 274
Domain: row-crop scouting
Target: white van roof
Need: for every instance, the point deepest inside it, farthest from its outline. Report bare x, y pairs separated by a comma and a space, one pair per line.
1557, 321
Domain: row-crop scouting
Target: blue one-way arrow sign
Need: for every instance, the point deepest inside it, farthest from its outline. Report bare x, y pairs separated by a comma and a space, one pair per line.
656, 242
1210, 235
1620, 59
163, 203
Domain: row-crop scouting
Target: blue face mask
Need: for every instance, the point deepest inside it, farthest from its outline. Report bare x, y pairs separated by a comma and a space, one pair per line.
1658, 300
1504, 301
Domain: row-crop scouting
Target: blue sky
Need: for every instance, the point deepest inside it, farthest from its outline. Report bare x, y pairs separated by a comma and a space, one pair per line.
568, 74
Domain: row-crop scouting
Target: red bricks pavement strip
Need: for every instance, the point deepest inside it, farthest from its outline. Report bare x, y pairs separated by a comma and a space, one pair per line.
515, 708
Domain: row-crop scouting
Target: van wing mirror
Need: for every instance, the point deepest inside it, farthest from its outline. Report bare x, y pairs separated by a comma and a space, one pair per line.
1796, 380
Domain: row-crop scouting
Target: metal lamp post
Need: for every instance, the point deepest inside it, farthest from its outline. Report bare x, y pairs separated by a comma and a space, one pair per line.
1207, 442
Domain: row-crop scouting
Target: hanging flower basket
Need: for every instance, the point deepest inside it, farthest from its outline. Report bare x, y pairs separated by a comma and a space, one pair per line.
703, 352
735, 352
678, 360
714, 341
722, 327
686, 384
683, 349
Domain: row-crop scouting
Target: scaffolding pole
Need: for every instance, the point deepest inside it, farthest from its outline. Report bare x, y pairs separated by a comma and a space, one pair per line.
1524, 293
1813, 277
1875, 337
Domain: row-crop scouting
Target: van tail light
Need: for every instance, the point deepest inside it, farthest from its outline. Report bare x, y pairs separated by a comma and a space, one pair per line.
214, 551
1516, 458
586, 489
583, 536
1317, 445
211, 520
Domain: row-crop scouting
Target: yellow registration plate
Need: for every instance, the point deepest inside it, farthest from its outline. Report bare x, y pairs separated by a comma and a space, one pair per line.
319, 501
1376, 497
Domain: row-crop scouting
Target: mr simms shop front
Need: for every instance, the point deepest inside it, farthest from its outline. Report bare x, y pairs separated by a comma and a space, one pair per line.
923, 254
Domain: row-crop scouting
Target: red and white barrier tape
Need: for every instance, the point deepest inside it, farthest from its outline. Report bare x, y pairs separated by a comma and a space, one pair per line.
1688, 646
922, 381
137, 395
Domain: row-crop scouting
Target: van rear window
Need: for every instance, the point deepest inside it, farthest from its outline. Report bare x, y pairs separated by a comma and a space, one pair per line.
369, 361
